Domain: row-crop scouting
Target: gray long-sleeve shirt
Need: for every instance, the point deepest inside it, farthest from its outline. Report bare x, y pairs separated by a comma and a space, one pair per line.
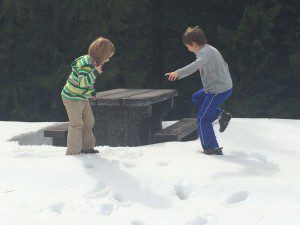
213, 69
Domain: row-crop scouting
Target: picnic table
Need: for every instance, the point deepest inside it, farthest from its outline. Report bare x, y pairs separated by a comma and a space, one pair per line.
130, 117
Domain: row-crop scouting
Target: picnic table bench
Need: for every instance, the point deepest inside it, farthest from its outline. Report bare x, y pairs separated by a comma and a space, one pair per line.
132, 117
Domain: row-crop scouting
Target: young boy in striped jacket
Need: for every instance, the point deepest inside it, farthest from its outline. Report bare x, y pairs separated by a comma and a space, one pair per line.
78, 88
217, 87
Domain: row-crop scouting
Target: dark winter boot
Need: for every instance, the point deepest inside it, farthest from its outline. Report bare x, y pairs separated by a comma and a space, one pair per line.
224, 119
214, 151
89, 151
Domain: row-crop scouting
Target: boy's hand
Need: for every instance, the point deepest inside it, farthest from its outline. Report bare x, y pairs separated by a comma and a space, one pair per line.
94, 97
172, 76
99, 69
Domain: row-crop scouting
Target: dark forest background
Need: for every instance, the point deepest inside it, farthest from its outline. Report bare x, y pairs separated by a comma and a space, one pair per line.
259, 39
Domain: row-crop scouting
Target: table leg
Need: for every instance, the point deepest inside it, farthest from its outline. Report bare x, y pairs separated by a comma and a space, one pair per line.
158, 110
122, 125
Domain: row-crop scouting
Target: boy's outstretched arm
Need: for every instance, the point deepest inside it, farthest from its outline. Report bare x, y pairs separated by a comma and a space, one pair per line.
189, 69
172, 76
183, 72
192, 67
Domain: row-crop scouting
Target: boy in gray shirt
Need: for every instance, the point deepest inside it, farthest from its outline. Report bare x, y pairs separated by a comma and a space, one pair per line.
217, 87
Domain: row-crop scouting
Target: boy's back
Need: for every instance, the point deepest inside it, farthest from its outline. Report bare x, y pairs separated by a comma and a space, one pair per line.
217, 79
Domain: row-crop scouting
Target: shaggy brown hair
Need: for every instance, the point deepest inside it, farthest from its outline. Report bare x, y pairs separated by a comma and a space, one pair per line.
101, 49
194, 34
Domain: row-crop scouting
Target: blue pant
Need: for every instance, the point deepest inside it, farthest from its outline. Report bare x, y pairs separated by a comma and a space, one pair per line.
208, 106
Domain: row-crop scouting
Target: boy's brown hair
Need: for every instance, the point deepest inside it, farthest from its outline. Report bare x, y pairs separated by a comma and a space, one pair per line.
101, 49
194, 34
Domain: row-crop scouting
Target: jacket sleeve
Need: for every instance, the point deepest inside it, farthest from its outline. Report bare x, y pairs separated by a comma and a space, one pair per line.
192, 67
87, 78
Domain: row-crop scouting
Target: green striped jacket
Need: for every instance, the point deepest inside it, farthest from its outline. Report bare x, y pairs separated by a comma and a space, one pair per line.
80, 84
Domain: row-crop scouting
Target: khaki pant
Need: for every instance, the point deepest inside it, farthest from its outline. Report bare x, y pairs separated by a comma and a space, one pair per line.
80, 134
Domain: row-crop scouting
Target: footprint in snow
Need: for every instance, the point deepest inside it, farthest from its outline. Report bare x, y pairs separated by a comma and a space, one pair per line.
129, 164
131, 155
264, 159
122, 199
106, 209
137, 222
237, 197
89, 164
100, 190
57, 207
163, 163
183, 190
260, 157
199, 221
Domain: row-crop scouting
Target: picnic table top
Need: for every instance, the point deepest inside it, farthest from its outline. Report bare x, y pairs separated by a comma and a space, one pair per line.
134, 97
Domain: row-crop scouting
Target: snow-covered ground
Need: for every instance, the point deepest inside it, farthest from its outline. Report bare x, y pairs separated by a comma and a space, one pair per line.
256, 182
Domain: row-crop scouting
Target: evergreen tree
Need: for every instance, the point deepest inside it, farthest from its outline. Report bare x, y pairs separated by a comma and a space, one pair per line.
259, 39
